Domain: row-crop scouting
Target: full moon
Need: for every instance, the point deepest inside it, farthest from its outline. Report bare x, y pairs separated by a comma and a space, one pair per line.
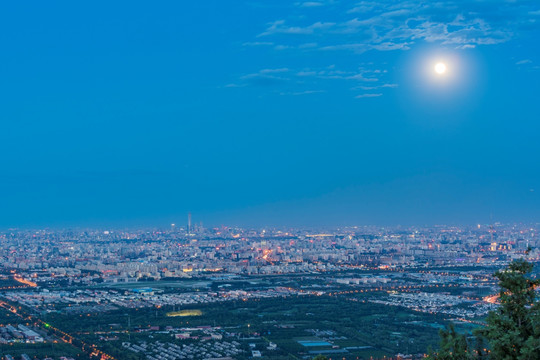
440, 68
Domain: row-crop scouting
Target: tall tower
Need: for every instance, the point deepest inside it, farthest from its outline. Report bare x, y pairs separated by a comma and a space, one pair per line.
491, 232
189, 223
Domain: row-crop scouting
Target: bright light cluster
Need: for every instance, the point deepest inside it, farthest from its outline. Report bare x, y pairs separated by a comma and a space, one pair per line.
440, 68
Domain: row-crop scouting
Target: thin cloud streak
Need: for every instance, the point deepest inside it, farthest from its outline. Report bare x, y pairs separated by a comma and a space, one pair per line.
367, 96
389, 25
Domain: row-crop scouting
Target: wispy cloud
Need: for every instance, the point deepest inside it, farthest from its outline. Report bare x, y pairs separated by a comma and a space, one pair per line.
314, 4
465, 47
258, 43
310, 4
233, 85
334, 74
363, 87
273, 71
305, 92
304, 46
279, 27
294, 82
363, 7
304, 32
265, 77
361, 96
389, 25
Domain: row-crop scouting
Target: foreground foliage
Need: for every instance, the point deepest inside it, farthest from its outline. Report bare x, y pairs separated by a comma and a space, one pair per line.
512, 331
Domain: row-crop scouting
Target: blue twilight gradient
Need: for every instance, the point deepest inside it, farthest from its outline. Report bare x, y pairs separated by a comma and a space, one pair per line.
269, 112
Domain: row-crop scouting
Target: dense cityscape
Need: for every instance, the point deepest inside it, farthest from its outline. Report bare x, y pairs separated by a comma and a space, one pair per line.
116, 256
154, 294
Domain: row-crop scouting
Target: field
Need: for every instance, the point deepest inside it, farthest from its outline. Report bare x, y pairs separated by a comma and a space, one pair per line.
354, 326
184, 313
162, 284
42, 350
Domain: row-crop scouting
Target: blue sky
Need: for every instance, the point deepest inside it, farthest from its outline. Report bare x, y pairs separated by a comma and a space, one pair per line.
269, 112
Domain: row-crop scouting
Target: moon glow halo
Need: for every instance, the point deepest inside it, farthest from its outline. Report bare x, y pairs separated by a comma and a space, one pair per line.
440, 68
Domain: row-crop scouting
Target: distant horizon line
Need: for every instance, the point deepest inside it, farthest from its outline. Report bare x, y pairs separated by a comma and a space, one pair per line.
179, 227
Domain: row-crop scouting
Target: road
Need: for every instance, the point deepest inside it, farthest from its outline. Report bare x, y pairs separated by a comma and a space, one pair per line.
90, 349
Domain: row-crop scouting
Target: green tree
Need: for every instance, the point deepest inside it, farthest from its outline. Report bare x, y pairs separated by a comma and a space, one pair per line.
320, 357
453, 346
480, 350
513, 330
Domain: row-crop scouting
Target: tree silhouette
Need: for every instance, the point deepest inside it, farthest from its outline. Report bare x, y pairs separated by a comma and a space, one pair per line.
454, 346
513, 330
320, 357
